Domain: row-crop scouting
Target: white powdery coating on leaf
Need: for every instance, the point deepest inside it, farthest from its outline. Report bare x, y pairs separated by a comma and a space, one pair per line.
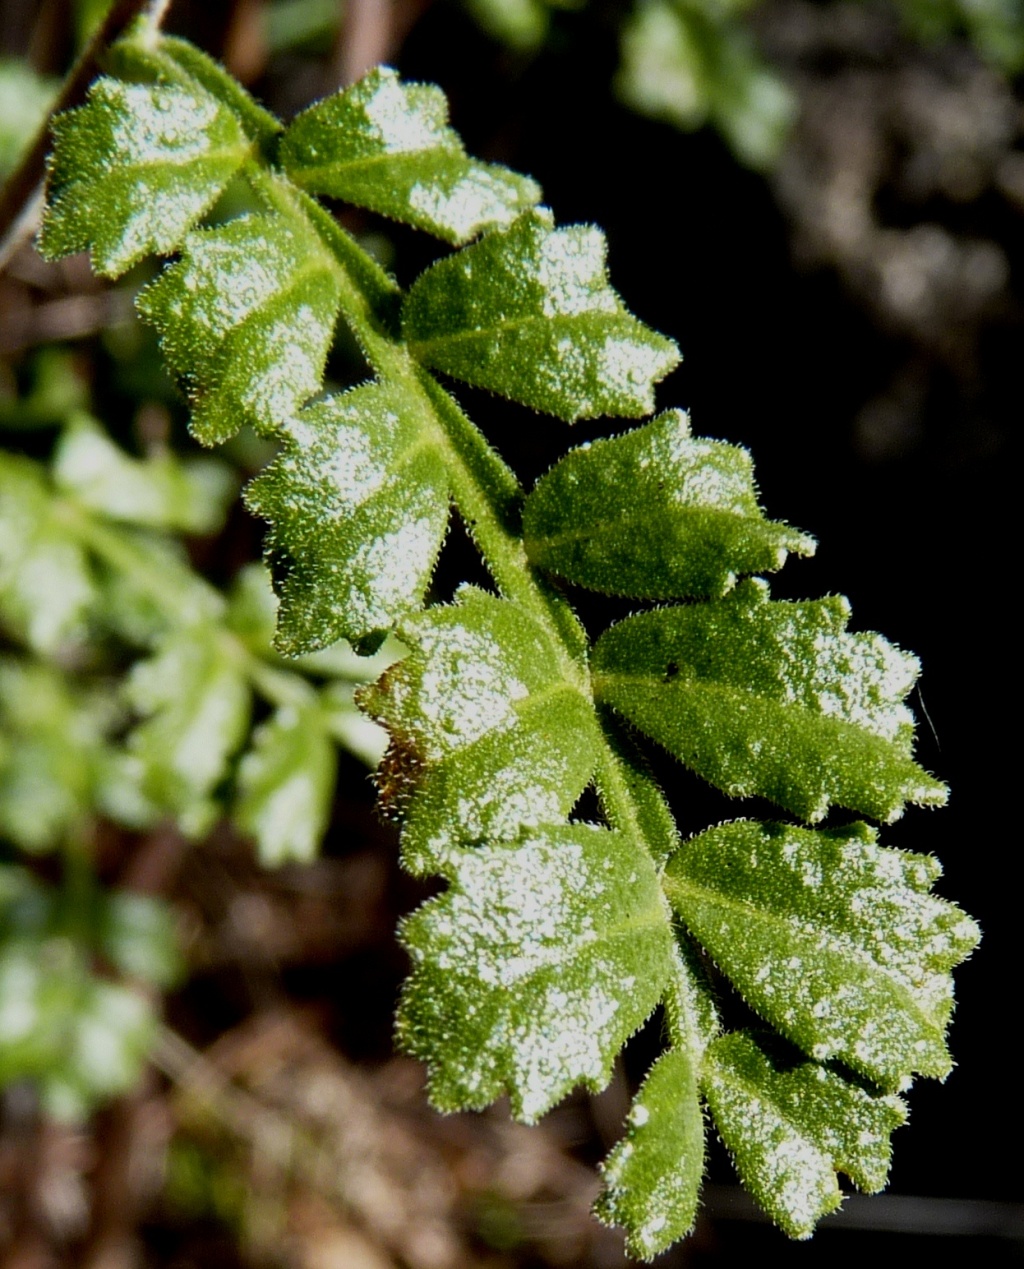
862, 678
791, 1171
570, 268
297, 345
572, 1041
397, 127
387, 571
154, 124
535, 915
628, 368
348, 469
466, 689
481, 196
229, 274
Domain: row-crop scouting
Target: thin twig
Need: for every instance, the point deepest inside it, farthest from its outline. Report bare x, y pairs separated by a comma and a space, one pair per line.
21, 199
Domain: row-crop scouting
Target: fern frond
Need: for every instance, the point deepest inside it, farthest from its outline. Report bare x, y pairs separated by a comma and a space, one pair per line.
554, 941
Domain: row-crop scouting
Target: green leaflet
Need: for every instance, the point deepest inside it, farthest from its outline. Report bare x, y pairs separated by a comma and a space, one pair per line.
136, 934
49, 740
246, 319
689, 63
174, 60
833, 939
134, 169
46, 584
534, 968
653, 1176
195, 702
386, 145
161, 491
358, 503
286, 785
774, 699
655, 514
26, 98
791, 1124
80, 1038
528, 313
487, 736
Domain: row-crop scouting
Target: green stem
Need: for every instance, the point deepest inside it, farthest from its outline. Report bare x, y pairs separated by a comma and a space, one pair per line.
485, 490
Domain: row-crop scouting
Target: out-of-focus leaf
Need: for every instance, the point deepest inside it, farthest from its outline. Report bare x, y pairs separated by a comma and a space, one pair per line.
689, 62
286, 784
46, 584
164, 491
50, 742
25, 99
195, 702
78, 1037
138, 937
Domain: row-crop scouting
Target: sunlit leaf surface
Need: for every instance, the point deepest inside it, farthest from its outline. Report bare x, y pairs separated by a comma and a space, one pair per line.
246, 318
655, 514
835, 940
653, 1176
534, 968
134, 169
358, 504
772, 698
529, 313
790, 1125
386, 145
487, 737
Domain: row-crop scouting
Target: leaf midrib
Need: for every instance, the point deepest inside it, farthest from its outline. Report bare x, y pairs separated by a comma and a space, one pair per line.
838, 944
